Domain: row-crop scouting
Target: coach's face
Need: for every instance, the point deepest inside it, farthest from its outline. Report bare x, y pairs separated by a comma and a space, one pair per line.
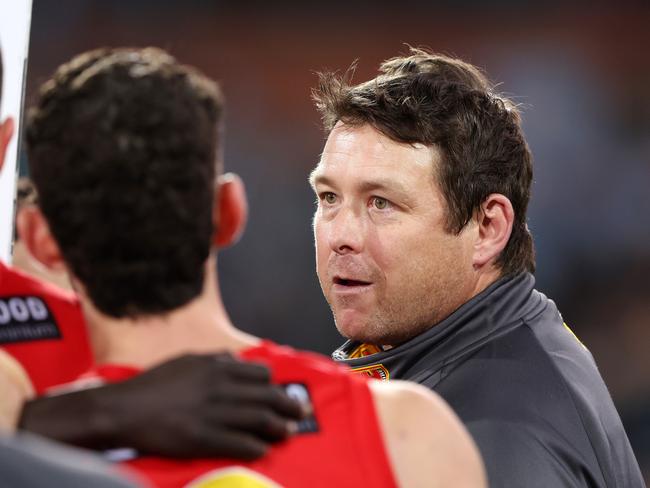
386, 265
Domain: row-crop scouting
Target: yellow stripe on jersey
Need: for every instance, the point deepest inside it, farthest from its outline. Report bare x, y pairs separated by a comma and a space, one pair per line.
233, 477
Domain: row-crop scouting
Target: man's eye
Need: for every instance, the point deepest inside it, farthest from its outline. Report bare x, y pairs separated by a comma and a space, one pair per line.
379, 203
329, 197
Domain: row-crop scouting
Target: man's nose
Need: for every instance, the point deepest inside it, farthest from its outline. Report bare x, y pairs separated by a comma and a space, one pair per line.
346, 232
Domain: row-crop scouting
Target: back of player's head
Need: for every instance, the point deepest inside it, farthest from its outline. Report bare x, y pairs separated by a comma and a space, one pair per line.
122, 147
438, 100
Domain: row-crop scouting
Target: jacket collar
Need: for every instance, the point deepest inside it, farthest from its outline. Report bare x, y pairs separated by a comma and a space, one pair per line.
502, 306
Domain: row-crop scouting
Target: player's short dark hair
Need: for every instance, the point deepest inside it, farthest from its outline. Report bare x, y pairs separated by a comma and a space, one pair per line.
437, 100
122, 147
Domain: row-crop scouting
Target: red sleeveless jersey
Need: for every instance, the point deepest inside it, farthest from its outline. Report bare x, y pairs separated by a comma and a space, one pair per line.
42, 327
339, 446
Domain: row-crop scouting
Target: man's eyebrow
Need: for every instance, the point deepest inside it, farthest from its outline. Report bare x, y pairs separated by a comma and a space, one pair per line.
316, 178
383, 184
393, 186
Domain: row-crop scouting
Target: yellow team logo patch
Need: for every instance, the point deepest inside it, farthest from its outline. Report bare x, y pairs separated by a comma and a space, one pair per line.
364, 350
376, 371
233, 477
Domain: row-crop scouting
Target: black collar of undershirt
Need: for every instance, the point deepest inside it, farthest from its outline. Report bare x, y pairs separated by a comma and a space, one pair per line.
501, 307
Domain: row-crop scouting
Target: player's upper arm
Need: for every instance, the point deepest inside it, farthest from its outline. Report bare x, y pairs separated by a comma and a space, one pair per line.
15, 390
425, 441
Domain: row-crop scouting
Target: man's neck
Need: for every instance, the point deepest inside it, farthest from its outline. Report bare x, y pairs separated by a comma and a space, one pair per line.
488, 276
200, 326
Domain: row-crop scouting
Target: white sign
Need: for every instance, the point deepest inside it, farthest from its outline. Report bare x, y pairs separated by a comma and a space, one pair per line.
15, 20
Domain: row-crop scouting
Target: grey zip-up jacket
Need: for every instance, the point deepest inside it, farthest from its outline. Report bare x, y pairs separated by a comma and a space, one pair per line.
525, 387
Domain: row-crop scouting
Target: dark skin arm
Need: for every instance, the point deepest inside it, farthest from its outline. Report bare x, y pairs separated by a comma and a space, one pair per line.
190, 407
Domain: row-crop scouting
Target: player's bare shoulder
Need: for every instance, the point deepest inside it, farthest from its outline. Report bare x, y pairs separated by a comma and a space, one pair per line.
15, 389
426, 443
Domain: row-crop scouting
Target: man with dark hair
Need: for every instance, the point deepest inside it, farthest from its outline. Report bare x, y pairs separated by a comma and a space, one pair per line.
42, 332
27, 461
164, 269
124, 148
425, 258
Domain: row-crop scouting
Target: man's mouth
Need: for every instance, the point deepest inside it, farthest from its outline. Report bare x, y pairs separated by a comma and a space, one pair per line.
349, 282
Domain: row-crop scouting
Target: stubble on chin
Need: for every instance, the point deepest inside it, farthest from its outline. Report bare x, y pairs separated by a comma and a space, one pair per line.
393, 322
376, 330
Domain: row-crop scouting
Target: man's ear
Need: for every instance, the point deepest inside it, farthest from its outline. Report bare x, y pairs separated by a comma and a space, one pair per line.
494, 218
34, 231
230, 210
6, 133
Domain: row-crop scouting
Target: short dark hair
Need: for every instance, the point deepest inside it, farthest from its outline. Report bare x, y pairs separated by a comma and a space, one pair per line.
122, 147
437, 100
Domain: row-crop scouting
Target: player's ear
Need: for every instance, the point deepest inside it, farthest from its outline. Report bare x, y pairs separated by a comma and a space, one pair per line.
230, 210
34, 231
494, 222
6, 133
